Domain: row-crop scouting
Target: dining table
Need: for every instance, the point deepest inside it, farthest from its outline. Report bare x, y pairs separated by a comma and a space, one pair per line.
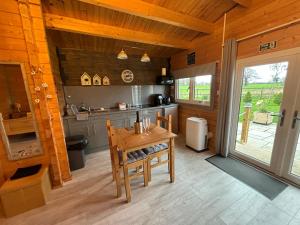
127, 140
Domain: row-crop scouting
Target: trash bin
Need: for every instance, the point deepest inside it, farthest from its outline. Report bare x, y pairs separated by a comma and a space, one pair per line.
76, 146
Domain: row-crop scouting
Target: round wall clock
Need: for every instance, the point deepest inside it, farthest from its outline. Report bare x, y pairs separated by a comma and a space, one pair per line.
127, 76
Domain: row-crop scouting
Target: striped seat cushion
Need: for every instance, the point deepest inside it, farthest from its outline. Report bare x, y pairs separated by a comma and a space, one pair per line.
155, 148
133, 156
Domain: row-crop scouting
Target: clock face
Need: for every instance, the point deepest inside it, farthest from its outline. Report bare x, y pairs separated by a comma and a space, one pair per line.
127, 76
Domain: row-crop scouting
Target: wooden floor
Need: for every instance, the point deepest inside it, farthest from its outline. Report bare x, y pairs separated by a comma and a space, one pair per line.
201, 194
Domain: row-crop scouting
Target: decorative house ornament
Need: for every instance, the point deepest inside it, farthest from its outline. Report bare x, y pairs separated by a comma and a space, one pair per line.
97, 80
127, 76
37, 101
86, 79
37, 88
106, 81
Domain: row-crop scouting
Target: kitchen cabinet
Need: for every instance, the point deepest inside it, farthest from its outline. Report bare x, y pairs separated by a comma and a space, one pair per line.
98, 135
151, 113
172, 110
95, 127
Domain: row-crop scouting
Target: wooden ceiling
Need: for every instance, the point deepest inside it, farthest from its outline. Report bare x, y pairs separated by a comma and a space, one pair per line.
67, 40
166, 23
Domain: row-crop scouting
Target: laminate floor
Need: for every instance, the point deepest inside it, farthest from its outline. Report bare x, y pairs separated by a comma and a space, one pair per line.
201, 194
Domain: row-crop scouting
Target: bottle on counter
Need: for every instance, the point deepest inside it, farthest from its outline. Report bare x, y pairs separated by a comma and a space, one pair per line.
138, 125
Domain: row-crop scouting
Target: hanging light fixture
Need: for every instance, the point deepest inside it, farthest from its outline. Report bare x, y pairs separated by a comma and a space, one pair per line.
122, 55
145, 58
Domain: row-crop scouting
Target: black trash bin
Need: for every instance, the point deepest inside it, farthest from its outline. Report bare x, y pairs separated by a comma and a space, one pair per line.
76, 146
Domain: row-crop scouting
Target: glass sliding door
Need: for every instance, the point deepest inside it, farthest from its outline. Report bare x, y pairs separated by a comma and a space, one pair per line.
266, 120
260, 109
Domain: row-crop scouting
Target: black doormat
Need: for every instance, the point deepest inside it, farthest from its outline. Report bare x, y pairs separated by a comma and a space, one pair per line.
261, 182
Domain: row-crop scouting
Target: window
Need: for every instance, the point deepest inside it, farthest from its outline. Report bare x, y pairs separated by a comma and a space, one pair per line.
183, 89
195, 90
202, 89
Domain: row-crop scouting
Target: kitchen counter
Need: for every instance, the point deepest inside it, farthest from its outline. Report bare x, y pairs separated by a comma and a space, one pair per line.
94, 127
117, 110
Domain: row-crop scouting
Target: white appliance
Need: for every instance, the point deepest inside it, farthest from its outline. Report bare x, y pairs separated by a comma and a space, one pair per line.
196, 133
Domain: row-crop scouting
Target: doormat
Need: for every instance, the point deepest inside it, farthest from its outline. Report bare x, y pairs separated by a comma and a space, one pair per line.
261, 182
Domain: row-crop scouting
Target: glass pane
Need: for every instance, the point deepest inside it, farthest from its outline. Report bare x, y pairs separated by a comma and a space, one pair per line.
296, 162
202, 89
183, 88
261, 98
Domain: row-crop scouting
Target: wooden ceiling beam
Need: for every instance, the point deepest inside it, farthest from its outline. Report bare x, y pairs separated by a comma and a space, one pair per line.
244, 3
156, 13
73, 25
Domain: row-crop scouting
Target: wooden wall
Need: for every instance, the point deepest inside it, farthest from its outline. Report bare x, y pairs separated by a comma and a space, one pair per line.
241, 22
22, 35
75, 62
55, 65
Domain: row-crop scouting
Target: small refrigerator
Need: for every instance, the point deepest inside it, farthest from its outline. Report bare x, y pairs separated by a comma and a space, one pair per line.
196, 133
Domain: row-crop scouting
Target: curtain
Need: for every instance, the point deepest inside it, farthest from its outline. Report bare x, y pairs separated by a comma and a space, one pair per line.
192, 71
226, 97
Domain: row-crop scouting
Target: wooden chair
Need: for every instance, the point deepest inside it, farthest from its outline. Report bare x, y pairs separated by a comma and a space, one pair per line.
157, 151
121, 160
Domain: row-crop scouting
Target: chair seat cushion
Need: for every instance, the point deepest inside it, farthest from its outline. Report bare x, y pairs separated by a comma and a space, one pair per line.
155, 148
133, 156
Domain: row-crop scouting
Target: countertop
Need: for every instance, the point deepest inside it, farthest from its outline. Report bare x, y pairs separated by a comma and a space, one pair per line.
117, 110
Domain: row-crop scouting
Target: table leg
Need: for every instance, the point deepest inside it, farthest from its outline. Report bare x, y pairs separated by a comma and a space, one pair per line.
172, 161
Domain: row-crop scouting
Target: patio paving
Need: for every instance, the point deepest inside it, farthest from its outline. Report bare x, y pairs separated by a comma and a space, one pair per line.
260, 144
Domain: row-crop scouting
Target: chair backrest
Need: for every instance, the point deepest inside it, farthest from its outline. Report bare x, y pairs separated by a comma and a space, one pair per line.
166, 120
110, 133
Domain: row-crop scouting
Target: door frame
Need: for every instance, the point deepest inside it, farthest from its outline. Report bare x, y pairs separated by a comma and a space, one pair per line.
278, 164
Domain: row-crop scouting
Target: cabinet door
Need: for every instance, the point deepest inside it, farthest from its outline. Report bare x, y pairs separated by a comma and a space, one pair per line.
79, 128
131, 119
119, 120
151, 113
98, 140
174, 112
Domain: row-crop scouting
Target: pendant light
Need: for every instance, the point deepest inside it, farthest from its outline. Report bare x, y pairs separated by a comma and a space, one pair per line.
122, 55
145, 58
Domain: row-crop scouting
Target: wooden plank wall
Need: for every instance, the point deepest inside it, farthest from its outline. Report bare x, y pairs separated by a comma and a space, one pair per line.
241, 22
56, 73
75, 62
23, 41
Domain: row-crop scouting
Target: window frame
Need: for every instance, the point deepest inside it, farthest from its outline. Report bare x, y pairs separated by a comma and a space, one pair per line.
191, 99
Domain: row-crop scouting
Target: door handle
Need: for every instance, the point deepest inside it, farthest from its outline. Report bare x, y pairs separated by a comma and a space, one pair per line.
296, 118
281, 116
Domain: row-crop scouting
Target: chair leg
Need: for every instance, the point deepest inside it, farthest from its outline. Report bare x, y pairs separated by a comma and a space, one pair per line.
149, 169
112, 167
159, 159
118, 182
127, 183
169, 164
145, 172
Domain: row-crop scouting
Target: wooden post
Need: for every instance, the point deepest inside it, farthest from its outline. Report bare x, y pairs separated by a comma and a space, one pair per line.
246, 123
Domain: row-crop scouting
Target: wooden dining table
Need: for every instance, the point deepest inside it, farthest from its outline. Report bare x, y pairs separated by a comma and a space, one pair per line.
128, 141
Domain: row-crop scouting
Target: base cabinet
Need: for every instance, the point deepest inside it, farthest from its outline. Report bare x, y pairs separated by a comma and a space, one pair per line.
95, 127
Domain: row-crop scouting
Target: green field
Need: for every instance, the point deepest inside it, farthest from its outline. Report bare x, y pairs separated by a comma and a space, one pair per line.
202, 92
269, 93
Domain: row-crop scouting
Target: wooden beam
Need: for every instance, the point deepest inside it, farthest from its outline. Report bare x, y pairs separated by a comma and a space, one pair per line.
69, 24
156, 13
244, 3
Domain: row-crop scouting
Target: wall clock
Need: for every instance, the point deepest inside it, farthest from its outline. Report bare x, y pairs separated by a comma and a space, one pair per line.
127, 76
